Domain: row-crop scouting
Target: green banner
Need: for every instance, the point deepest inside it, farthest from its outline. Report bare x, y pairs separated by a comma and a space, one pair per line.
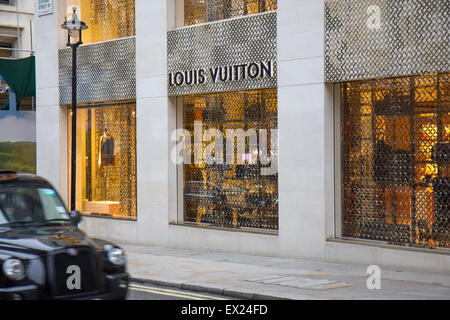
20, 75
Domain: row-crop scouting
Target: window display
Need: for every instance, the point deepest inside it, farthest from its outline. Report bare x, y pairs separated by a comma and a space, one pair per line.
201, 11
106, 160
225, 185
106, 156
395, 160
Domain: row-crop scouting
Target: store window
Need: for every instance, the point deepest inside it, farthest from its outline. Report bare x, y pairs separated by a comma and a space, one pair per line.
4, 88
224, 185
106, 160
4, 94
7, 2
201, 11
106, 20
396, 160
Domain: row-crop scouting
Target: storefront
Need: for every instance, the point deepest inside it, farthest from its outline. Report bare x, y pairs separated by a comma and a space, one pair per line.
394, 121
227, 107
314, 129
106, 112
395, 160
106, 160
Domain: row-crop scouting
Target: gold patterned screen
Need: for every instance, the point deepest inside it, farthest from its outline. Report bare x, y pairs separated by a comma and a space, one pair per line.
396, 159
106, 20
201, 11
106, 186
231, 194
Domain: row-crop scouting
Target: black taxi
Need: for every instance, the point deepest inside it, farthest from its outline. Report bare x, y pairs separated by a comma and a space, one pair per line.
43, 253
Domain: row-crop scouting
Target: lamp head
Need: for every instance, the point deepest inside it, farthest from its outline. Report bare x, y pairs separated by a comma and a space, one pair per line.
74, 27
74, 23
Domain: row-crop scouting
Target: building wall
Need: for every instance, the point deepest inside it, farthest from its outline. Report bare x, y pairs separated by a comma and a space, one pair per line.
306, 143
51, 133
17, 127
301, 128
8, 20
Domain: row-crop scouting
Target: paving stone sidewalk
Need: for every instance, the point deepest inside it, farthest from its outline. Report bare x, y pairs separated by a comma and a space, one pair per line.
255, 277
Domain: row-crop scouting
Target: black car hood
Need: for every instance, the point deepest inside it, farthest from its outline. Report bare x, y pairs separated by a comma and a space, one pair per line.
42, 240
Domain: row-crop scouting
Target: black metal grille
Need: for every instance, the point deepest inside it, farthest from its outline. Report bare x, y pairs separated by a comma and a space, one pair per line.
232, 194
200, 11
396, 159
85, 260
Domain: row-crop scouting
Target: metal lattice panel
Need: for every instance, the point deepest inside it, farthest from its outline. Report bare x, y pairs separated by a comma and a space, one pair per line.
106, 72
225, 43
396, 160
109, 20
118, 179
201, 11
367, 39
231, 195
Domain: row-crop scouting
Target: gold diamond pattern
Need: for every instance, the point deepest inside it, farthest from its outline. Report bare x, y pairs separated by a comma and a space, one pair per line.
231, 195
396, 159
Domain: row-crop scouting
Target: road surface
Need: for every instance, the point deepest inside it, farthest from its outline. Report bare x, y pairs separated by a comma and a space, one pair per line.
138, 291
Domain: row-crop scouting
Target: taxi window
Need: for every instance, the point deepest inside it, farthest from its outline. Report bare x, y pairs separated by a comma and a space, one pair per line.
51, 204
19, 204
2, 217
26, 204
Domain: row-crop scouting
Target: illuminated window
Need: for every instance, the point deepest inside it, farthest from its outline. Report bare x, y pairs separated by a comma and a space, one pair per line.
200, 11
106, 160
106, 20
223, 185
396, 159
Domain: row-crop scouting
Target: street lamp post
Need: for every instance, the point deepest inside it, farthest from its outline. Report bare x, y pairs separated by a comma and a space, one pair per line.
74, 29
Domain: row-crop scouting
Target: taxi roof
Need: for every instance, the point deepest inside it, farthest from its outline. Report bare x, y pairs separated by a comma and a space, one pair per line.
8, 177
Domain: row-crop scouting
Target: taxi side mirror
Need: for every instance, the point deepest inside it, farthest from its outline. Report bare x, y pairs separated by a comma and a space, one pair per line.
75, 217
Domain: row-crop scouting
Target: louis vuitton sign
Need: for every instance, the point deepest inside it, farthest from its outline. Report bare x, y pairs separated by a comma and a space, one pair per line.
222, 74
228, 55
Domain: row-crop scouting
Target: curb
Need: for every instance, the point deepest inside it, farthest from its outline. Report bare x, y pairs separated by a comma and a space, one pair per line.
219, 291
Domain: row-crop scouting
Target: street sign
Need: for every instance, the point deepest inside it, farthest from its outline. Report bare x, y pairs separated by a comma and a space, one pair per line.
44, 7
